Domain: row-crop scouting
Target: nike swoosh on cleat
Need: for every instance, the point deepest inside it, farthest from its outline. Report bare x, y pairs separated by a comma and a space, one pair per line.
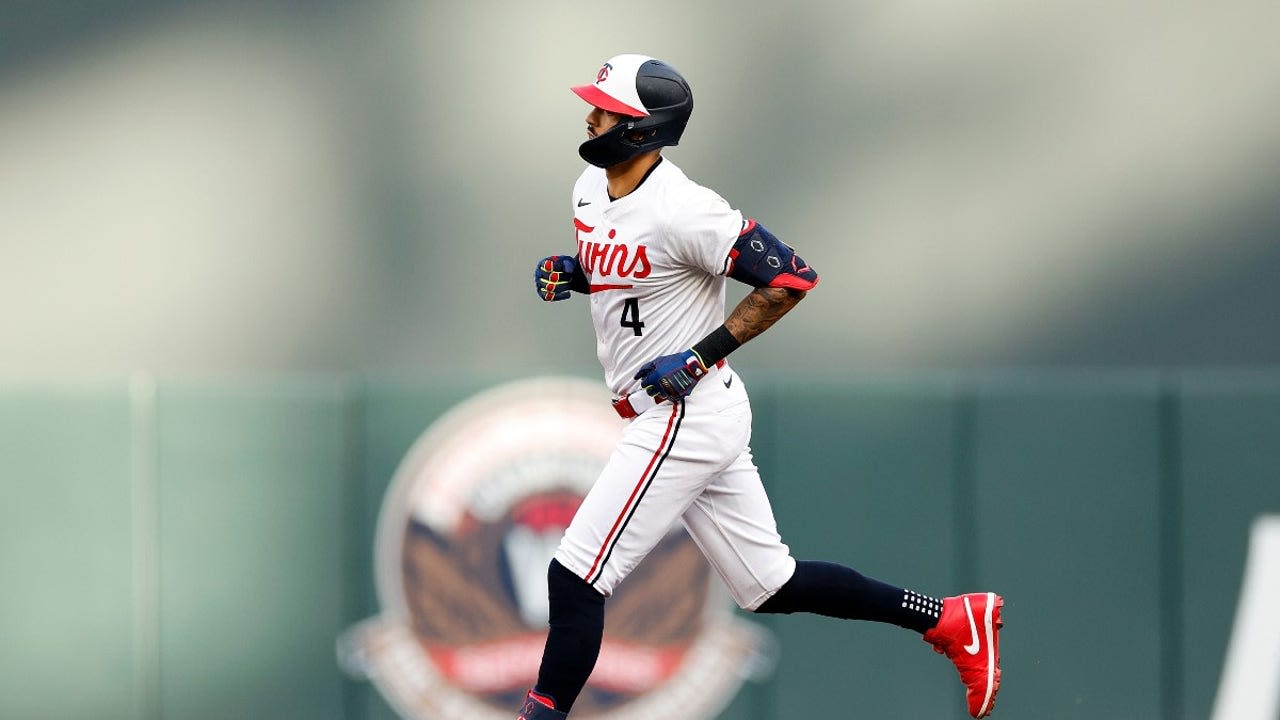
582, 203
973, 647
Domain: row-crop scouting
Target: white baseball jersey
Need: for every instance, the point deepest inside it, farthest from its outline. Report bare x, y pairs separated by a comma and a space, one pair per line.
656, 260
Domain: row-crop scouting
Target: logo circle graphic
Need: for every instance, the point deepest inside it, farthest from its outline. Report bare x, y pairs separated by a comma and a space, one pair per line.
604, 73
470, 521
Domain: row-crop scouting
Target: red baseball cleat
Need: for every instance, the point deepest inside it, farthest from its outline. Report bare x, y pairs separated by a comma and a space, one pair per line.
539, 707
969, 633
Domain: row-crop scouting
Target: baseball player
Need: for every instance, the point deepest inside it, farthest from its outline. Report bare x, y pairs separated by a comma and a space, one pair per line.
654, 250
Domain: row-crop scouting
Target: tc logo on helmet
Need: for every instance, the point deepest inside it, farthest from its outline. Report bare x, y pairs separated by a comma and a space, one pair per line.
473, 515
604, 73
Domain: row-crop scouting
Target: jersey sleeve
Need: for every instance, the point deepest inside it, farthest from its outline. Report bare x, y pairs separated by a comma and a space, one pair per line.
702, 231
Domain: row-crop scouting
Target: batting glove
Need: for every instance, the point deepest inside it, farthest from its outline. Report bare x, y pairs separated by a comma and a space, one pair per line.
671, 377
555, 276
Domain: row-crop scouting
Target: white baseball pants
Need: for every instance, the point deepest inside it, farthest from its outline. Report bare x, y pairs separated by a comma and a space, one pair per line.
688, 461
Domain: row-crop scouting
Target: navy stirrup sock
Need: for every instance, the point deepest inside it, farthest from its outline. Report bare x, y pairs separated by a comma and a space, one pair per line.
836, 591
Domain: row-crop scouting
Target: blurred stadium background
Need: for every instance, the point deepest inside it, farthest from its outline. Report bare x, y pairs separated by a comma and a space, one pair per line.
249, 250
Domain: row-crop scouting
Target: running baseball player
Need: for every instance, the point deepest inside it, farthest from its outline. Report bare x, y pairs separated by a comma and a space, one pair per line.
654, 249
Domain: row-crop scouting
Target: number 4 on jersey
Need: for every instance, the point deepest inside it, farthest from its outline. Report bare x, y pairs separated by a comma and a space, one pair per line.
631, 315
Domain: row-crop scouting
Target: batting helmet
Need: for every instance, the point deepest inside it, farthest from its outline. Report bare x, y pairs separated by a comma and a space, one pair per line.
655, 100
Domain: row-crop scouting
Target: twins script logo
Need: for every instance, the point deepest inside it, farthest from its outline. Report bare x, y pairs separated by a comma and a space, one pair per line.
606, 260
470, 522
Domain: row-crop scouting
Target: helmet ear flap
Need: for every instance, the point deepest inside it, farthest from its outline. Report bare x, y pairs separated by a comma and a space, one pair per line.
609, 147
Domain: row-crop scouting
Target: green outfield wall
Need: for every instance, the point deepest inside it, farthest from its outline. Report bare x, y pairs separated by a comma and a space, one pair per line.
192, 549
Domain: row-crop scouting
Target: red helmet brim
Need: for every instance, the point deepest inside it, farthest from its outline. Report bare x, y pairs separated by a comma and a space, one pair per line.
599, 98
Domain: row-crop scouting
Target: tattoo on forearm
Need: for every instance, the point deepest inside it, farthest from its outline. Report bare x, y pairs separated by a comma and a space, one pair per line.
759, 310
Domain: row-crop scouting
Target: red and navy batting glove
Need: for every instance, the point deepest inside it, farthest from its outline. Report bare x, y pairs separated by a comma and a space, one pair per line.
671, 377
555, 276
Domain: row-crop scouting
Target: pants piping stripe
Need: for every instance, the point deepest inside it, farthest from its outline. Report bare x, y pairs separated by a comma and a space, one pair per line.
637, 494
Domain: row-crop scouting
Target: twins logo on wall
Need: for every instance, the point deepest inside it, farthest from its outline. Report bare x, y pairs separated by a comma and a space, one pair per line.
472, 517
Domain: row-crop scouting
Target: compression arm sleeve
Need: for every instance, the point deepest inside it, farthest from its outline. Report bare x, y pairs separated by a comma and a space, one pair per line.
760, 259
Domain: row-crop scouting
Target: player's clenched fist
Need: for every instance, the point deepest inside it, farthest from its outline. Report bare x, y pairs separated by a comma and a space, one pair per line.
671, 377
557, 275
551, 277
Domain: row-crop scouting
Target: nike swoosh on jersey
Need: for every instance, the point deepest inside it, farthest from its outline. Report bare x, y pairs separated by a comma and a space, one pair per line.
728, 382
583, 203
